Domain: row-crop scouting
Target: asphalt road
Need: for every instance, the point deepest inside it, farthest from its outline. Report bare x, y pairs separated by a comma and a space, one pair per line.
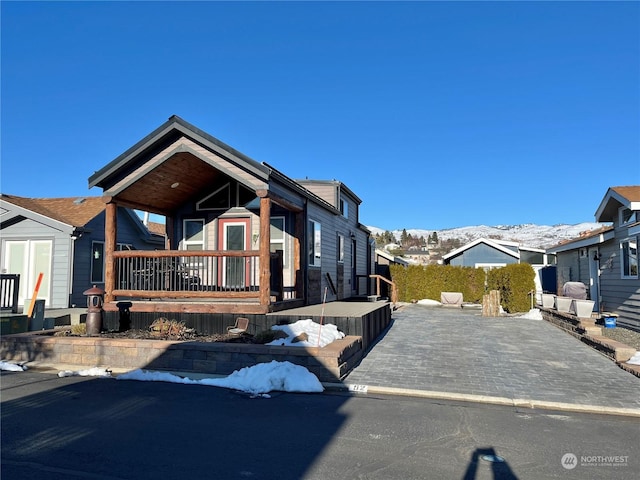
80, 428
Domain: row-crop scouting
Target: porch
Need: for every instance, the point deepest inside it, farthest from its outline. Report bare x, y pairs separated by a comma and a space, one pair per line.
174, 281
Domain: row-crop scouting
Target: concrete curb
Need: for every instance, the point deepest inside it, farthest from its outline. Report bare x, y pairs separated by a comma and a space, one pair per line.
463, 397
406, 392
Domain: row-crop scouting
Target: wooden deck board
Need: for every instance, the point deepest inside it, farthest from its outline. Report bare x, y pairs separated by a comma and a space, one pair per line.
334, 309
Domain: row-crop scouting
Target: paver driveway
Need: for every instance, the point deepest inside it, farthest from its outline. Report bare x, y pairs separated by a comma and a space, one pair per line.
455, 350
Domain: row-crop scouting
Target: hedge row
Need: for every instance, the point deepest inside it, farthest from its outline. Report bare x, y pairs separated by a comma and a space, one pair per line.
514, 282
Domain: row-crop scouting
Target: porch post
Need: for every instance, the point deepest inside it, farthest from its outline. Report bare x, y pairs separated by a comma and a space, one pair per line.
297, 254
170, 243
265, 250
110, 234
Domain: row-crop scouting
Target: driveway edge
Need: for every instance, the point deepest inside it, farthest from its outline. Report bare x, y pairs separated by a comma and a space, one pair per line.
485, 399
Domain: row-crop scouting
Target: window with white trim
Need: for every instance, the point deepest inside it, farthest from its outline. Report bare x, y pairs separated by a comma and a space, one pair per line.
344, 208
629, 257
193, 234
340, 248
277, 236
314, 242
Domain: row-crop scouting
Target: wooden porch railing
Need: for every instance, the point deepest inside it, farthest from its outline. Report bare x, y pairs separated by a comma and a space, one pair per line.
9, 288
188, 274
392, 287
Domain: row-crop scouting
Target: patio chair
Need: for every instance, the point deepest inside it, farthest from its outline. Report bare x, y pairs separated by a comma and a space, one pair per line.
239, 329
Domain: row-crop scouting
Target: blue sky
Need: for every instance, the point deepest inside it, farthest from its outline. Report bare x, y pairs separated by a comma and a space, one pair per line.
436, 114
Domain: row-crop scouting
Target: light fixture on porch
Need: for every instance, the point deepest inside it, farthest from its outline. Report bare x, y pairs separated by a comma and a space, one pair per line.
353, 236
175, 185
596, 256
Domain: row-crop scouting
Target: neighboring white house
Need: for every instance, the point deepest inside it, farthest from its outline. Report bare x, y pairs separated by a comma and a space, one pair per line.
62, 238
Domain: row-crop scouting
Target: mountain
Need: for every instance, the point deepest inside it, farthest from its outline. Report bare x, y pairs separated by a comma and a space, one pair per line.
528, 235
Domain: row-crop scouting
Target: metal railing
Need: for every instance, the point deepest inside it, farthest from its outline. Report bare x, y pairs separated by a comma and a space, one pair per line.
393, 289
9, 288
194, 274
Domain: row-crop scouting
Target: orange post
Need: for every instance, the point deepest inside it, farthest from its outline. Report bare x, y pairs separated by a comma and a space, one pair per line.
35, 294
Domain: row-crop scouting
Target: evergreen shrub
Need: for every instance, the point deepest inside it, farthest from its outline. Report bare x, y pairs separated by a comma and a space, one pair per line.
514, 282
417, 282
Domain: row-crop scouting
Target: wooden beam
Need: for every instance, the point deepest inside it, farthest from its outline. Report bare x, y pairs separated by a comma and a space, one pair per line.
184, 294
110, 236
134, 205
265, 251
277, 199
184, 253
187, 307
171, 242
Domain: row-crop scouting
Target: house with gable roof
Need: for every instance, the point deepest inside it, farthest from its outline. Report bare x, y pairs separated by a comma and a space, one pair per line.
606, 261
490, 253
242, 237
62, 238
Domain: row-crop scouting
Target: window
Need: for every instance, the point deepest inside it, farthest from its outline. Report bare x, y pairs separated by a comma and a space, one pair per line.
97, 262
314, 242
277, 236
344, 208
218, 200
627, 216
193, 234
229, 195
340, 248
629, 257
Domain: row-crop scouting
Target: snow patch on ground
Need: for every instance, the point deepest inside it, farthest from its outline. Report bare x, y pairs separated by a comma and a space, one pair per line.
11, 367
317, 335
258, 379
89, 372
428, 302
533, 314
635, 360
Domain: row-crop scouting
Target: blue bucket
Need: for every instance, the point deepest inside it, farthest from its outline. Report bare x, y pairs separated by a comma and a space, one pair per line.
609, 322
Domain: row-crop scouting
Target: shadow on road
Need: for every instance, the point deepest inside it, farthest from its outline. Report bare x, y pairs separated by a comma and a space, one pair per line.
499, 466
105, 428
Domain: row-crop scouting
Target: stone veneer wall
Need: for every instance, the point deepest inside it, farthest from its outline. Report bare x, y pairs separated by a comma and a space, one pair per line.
330, 363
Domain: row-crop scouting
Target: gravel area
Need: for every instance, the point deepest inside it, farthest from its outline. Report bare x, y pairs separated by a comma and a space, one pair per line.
623, 335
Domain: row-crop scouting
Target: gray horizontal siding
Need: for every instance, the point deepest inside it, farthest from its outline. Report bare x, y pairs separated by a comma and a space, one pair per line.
332, 225
481, 253
619, 295
29, 229
128, 233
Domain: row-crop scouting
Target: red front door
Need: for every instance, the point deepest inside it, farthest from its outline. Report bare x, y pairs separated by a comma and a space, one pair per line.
233, 234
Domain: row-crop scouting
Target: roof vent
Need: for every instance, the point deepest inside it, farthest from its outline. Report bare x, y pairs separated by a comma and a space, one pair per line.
78, 201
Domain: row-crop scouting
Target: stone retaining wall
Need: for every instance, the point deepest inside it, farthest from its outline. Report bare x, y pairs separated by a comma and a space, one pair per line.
587, 331
330, 363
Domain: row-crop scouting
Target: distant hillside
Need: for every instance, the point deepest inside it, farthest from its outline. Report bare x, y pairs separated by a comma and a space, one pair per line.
529, 235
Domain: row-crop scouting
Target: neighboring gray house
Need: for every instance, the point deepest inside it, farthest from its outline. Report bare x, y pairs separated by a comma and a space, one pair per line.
488, 253
63, 238
607, 260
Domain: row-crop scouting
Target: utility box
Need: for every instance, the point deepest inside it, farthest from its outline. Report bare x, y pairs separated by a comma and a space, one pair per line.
36, 320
